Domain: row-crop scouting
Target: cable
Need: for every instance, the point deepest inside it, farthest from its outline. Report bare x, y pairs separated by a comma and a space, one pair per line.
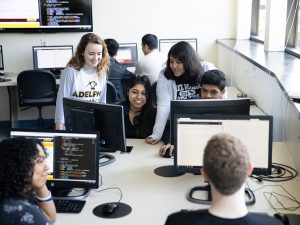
271, 196
111, 188
280, 172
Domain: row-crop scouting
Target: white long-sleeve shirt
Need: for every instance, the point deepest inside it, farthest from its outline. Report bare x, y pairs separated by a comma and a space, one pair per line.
81, 84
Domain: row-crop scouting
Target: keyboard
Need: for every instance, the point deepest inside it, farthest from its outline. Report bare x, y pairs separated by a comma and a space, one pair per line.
69, 206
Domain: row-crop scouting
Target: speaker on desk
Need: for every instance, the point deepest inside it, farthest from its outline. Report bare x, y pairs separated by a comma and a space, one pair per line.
37, 88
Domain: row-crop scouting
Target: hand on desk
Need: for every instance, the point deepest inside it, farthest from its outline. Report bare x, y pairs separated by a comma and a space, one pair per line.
166, 150
151, 141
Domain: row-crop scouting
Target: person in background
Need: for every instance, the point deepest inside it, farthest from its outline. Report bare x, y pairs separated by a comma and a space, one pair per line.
226, 165
24, 196
180, 80
139, 113
85, 75
118, 73
212, 87
153, 61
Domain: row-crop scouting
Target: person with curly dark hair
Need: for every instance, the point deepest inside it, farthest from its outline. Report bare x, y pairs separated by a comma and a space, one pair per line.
139, 113
24, 196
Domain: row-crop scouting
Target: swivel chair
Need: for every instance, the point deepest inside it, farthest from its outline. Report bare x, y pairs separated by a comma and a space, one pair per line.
37, 88
111, 93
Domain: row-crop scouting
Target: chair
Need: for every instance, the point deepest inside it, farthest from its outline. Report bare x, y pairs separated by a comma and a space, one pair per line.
111, 93
37, 88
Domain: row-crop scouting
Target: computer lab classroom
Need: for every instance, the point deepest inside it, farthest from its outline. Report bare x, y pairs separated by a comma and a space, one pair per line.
256, 43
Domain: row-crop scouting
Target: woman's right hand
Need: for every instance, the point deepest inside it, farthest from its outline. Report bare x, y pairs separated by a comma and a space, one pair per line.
166, 149
151, 141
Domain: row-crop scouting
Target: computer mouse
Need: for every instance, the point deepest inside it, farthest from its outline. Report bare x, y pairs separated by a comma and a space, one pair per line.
110, 208
282, 217
167, 154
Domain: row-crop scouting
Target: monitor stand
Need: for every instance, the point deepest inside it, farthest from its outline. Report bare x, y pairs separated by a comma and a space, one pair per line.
167, 171
105, 159
250, 197
76, 193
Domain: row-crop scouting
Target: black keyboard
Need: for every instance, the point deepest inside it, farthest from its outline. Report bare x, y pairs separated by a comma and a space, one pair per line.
69, 206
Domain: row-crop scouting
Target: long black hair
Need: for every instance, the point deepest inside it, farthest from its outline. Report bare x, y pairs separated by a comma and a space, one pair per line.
184, 52
145, 120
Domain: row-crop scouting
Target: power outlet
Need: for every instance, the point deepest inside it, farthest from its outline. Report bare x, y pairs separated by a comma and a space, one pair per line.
44, 42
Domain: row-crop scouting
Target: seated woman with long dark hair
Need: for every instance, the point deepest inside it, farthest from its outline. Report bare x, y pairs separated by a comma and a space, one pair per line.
24, 196
139, 112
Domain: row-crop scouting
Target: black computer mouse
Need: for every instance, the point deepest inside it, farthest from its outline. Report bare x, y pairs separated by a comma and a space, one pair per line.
167, 154
110, 208
282, 217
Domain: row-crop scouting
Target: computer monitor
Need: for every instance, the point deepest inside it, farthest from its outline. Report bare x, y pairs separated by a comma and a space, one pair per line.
45, 16
72, 159
53, 58
127, 54
166, 44
107, 119
192, 132
1, 58
239, 106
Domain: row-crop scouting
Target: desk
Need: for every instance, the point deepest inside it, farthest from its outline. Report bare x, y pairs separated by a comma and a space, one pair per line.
13, 98
151, 197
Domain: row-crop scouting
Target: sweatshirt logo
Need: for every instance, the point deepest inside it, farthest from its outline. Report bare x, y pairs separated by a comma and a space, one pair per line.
92, 93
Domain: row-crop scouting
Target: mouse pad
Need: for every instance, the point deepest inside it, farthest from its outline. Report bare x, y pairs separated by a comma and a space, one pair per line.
122, 210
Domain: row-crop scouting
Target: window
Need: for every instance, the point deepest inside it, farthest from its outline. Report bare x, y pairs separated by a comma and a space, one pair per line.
293, 27
258, 20
298, 26
292, 36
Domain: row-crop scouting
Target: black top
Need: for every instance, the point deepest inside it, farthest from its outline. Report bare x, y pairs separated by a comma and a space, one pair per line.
185, 89
134, 131
17, 212
203, 217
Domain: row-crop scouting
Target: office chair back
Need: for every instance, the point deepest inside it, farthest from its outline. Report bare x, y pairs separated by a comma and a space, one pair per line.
111, 93
36, 88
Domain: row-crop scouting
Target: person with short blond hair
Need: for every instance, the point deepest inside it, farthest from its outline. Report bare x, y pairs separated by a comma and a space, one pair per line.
226, 165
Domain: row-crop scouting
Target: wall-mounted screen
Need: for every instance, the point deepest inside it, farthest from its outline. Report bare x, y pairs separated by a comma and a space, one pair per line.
1, 58
53, 58
46, 16
127, 54
166, 44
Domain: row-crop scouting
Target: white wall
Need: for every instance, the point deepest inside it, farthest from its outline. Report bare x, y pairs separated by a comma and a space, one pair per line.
129, 20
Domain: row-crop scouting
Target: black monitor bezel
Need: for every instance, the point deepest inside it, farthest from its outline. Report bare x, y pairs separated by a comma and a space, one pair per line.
69, 184
34, 55
204, 106
196, 169
1, 58
59, 29
133, 51
87, 106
